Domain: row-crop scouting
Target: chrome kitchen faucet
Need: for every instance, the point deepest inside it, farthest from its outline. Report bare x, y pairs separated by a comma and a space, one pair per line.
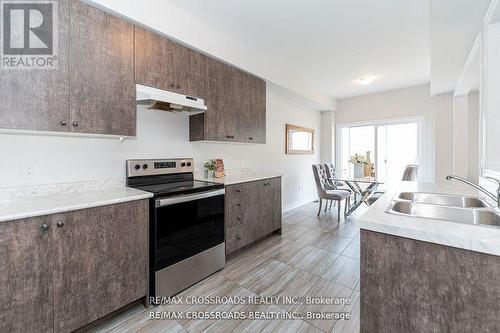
480, 188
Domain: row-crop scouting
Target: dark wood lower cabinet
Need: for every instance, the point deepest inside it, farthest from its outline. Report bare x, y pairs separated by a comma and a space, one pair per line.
26, 276
77, 268
415, 286
101, 262
253, 210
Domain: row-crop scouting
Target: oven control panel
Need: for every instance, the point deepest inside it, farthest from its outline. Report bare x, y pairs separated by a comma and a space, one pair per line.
165, 165
144, 167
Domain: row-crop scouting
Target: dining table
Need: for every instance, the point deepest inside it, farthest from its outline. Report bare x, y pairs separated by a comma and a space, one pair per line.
363, 188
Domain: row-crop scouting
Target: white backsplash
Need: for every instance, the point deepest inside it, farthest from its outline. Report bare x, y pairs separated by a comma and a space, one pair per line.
12, 193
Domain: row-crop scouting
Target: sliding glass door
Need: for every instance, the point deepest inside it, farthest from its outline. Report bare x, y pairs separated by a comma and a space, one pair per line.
390, 145
356, 140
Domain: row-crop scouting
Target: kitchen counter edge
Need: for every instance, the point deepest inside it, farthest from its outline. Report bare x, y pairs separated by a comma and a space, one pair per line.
23, 208
477, 238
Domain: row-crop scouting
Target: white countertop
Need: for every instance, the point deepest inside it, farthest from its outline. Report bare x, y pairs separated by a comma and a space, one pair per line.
31, 206
470, 237
239, 178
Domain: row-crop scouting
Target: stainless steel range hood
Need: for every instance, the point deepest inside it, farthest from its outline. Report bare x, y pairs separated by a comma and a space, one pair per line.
157, 99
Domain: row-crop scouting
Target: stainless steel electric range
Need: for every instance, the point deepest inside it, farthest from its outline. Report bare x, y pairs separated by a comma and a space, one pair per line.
186, 223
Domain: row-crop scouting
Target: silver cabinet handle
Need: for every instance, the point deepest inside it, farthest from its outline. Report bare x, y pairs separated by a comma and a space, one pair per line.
45, 227
75, 124
63, 123
189, 197
60, 224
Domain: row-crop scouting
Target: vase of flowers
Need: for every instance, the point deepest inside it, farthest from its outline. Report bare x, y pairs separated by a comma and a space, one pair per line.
359, 162
209, 168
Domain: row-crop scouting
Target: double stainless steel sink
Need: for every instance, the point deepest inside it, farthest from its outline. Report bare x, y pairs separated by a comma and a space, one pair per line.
454, 208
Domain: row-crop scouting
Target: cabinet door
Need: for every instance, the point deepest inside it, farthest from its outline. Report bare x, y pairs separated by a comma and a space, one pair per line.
218, 116
196, 78
26, 288
102, 89
163, 64
254, 110
258, 105
38, 99
238, 119
272, 204
101, 262
154, 60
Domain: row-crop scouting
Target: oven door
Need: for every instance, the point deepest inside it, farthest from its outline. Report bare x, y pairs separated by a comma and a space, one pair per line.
187, 225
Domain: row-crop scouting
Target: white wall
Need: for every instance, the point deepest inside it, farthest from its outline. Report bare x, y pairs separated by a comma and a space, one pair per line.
491, 112
443, 108
473, 141
400, 103
327, 136
460, 133
161, 135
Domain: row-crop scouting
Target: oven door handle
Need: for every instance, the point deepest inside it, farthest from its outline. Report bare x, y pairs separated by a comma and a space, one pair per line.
188, 197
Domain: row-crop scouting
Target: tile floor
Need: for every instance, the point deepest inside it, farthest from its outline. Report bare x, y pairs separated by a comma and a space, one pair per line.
314, 256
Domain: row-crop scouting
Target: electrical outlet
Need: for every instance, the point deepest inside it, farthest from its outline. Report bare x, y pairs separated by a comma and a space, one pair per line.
29, 170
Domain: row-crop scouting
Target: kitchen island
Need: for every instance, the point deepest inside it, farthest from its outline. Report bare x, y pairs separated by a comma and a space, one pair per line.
427, 275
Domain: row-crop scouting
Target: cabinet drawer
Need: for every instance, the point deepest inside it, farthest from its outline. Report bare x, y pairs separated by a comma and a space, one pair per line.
238, 237
235, 204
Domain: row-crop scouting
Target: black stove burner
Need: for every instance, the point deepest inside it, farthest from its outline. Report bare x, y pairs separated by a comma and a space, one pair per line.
187, 186
166, 185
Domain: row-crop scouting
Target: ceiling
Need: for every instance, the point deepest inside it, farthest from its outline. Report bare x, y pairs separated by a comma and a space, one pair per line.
454, 27
330, 43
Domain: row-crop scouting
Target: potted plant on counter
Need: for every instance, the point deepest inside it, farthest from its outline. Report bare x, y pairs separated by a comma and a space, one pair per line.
358, 162
209, 168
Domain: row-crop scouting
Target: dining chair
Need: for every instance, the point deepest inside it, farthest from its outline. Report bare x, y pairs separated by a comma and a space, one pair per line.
320, 178
409, 175
336, 185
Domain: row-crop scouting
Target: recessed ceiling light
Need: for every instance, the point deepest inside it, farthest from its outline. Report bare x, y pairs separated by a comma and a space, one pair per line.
366, 80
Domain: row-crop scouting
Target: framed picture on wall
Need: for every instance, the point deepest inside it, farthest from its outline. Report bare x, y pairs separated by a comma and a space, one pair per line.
299, 140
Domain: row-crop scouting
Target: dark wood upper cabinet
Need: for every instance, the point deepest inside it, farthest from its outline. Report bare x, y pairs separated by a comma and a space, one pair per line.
102, 90
163, 64
217, 123
154, 60
102, 57
26, 270
38, 99
235, 109
196, 80
91, 91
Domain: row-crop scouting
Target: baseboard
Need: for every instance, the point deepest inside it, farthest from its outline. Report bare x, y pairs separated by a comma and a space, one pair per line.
296, 204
